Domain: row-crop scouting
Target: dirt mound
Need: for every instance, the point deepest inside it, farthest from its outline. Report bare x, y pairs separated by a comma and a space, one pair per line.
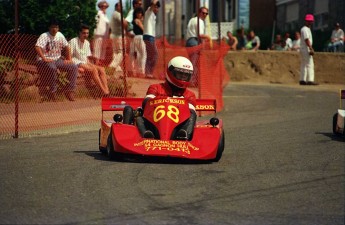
283, 67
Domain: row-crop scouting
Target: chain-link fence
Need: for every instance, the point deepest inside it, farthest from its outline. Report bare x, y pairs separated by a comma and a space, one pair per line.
25, 110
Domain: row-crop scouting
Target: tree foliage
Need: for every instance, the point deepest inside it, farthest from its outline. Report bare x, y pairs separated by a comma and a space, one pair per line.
34, 15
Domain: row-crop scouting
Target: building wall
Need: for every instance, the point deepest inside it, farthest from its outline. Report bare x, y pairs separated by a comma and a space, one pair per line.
332, 12
262, 14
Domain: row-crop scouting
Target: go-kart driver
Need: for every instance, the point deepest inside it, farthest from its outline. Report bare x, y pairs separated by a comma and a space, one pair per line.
178, 76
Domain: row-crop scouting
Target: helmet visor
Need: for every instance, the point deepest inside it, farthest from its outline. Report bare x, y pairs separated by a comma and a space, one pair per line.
182, 74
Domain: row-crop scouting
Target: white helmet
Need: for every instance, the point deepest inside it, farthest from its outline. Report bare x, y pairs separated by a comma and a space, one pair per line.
179, 71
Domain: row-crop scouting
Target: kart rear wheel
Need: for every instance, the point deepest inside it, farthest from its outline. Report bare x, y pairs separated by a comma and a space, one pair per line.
101, 149
335, 118
110, 148
220, 147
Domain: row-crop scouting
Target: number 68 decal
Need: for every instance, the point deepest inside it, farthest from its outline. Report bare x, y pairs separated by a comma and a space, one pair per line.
172, 112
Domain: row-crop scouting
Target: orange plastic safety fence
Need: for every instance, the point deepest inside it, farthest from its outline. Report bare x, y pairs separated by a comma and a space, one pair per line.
26, 108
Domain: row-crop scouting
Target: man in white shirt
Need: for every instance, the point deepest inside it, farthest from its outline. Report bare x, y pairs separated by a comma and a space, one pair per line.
337, 39
49, 46
307, 52
81, 56
150, 36
296, 44
288, 41
194, 38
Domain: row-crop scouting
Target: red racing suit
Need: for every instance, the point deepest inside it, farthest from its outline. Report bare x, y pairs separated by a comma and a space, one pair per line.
164, 90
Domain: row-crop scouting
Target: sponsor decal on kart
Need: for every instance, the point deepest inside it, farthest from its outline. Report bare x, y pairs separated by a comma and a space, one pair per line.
172, 112
205, 107
160, 145
168, 100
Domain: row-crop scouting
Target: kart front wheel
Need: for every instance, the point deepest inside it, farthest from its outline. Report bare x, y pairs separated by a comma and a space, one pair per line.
220, 147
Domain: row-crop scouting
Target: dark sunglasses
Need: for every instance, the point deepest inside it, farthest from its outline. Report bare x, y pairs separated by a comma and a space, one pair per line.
205, 13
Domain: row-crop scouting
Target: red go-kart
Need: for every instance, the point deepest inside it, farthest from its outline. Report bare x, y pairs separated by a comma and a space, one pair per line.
117, 139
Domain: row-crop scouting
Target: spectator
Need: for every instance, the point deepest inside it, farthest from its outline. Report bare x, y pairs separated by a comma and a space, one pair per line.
194, 38
150, 36
307, 52
253, 41
49, 46
296, 44
130, 33
101, 33
283, 46
337, 39
231, 40
116, 36
81, 54
288, 41
129, 17
277, 45
242, 40
139, 45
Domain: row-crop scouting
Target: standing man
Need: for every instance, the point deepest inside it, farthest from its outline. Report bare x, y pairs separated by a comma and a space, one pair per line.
149, 37
193, 39
101, 33
130, 33
116, 36
307, 52
49, 46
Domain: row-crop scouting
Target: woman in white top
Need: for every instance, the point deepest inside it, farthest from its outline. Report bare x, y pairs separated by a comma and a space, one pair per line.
81, 53
101, 33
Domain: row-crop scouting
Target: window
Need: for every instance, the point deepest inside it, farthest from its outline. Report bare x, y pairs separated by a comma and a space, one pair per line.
292, 12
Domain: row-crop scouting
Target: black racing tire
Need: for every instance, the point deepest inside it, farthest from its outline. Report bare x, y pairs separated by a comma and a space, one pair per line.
335, 118
101, 149
110, 148
128, 115
220, 149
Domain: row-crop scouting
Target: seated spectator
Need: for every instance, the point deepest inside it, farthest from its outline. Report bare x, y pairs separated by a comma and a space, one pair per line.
242, 40
296, 44
253, 41
231, 40
81, 55
277, 43
283, 46
49, 46
288, 41
337, 39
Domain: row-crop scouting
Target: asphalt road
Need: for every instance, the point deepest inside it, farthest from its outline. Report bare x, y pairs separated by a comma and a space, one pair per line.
281, 165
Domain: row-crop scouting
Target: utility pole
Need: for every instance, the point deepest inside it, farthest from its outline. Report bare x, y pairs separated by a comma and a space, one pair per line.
178, 20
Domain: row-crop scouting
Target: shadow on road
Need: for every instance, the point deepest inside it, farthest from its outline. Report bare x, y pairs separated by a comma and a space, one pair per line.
142, 159
332, 136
